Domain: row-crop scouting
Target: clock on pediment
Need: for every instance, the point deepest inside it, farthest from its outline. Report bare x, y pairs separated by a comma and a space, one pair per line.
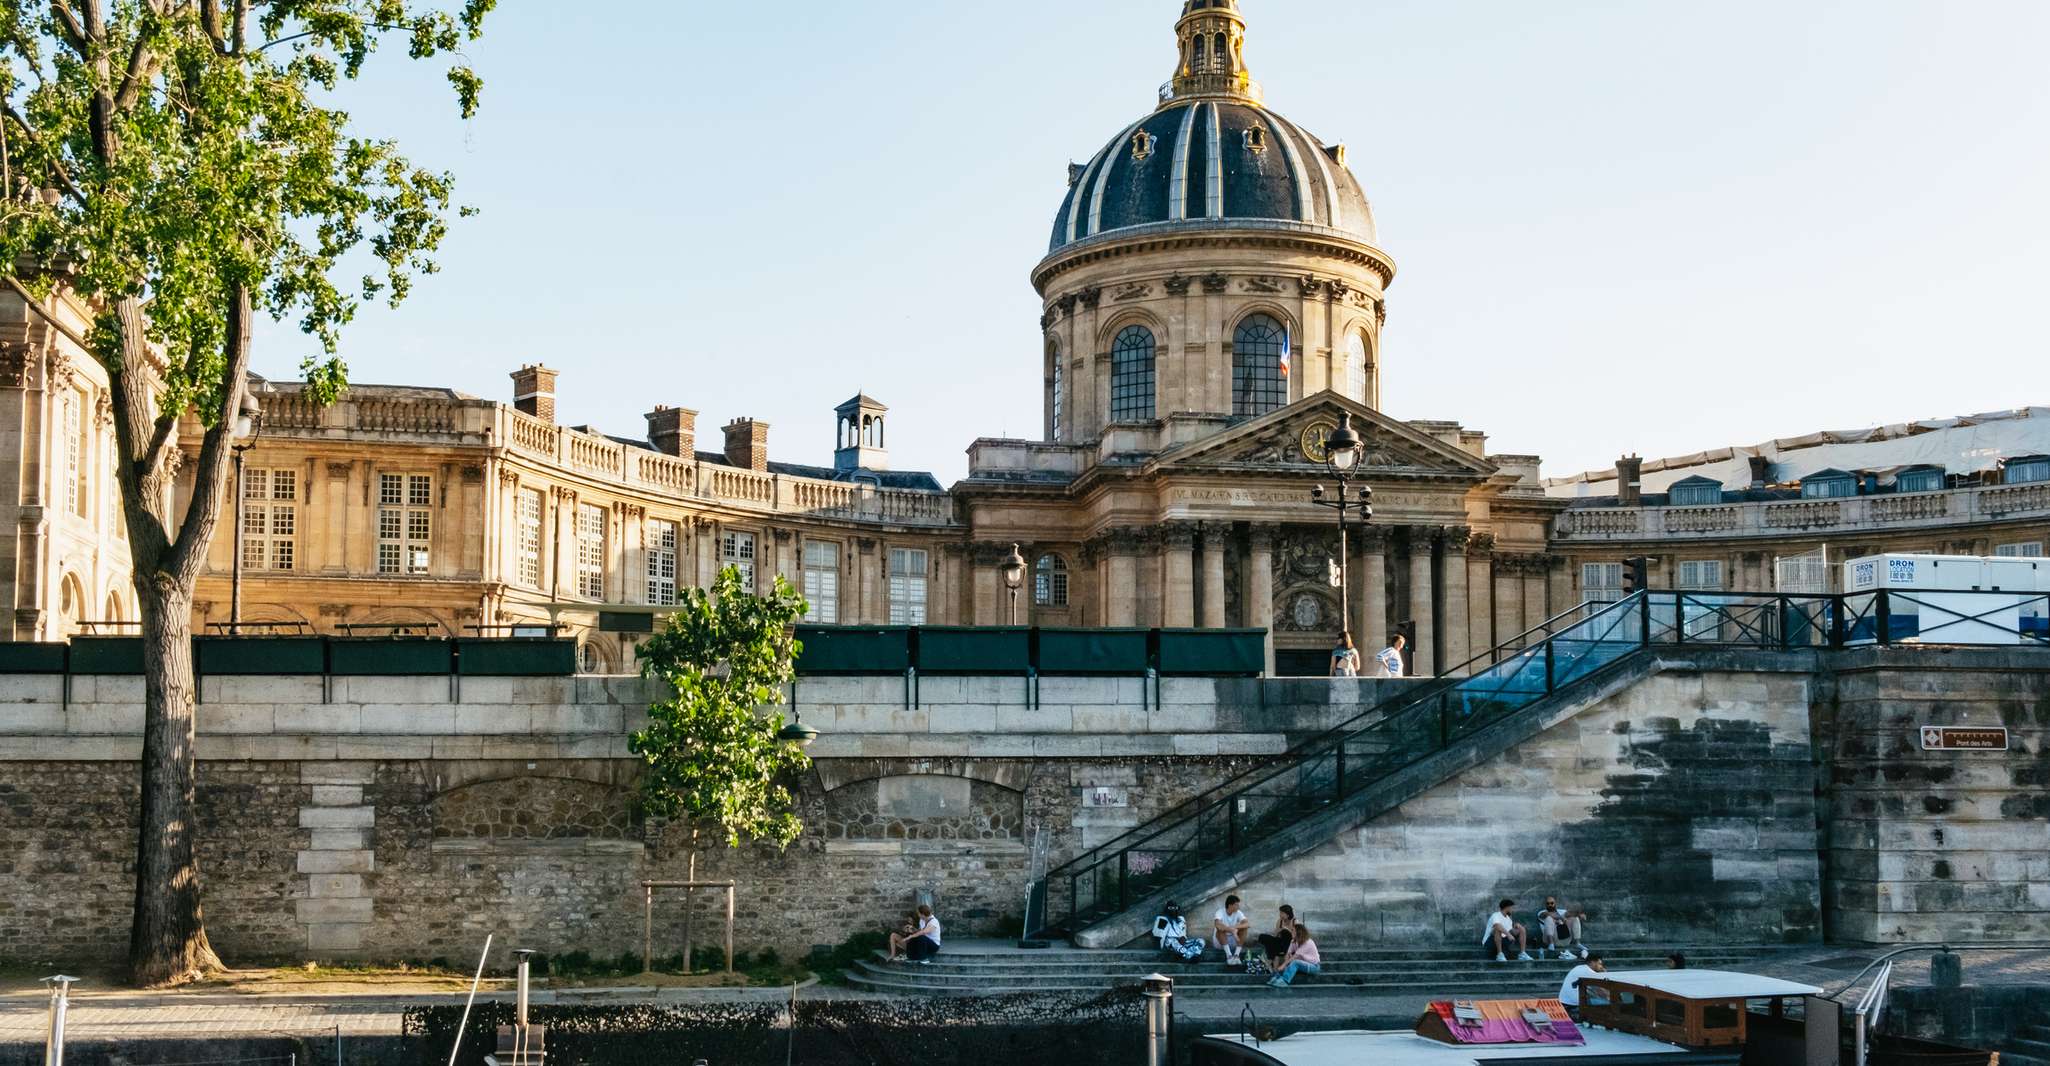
1314, 437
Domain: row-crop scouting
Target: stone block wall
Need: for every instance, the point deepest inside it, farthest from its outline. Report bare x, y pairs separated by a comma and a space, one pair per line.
1928, 846
1677, 810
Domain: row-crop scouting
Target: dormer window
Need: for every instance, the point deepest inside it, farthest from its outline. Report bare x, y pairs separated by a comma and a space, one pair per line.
2025, 469
1142, 145
1696, 492
1829, 484
1256, 140
1919, 479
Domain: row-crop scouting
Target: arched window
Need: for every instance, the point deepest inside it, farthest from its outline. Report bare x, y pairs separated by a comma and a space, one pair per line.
1131, 375
1050, 581
1356, 368
1258, 382
590, 658
1053, 390
114, 607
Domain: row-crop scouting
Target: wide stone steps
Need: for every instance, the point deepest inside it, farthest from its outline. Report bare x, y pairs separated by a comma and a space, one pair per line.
1371, 972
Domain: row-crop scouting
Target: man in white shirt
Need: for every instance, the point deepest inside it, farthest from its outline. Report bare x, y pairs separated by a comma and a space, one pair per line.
1229, 928
1389, 662
1569, 992
1502, 929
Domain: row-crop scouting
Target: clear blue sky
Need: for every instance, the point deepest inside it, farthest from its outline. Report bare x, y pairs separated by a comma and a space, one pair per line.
1648, 226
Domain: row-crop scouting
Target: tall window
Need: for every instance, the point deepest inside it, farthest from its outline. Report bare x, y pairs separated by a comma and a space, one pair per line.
270, 519
1701, 575
590, 551
1601, 582
660, 540
529, 518
405, 522
1050, 582
2028, 549
822, 581
1258, 384
74, 454
1131, 375
1356, 368
738, 549
1054, 381
907, 586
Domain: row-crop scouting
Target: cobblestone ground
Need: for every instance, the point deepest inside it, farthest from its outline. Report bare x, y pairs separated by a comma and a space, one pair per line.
113, 1015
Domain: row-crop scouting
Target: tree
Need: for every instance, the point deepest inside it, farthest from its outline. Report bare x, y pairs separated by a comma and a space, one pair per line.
713, 761
168, 166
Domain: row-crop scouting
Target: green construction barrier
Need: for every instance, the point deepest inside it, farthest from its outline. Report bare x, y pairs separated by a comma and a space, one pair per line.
31, 657
106, 655
974, 650
389, 656
252, 656
516, 656
854, 649
1094, 651
1213, 652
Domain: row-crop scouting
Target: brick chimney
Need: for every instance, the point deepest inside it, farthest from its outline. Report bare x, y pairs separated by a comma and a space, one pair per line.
673, 431
1629, 491
534, 391
1761, 471
747, 444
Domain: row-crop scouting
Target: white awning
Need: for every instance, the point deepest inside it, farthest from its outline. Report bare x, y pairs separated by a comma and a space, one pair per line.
1709, 984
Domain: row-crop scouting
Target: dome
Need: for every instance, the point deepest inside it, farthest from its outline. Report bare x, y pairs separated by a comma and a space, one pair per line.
1216, 161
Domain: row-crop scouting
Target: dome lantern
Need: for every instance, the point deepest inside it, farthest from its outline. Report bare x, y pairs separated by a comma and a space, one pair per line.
1211, 39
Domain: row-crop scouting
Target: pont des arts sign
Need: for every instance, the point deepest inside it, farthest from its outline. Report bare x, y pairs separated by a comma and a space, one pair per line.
1964, 738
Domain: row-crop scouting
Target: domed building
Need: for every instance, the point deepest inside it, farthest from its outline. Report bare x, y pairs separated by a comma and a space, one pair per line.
1213, 295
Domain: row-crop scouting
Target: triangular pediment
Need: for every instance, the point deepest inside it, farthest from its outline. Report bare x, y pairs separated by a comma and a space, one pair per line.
1291, 437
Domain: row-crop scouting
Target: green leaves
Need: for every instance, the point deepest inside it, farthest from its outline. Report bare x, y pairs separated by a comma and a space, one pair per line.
710, 755
189, 153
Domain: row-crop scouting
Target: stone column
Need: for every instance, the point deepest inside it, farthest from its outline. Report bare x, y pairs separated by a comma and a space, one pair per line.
1216, 539
706, 538
1455, 606
1121, 594
785, 541
1178, 578
1259, 603
871, 606
945, 607
631, 583
1480, 592
1422, 599
1534, 612
1370, 607
1508, 597
1560, 585
561, 581
989, 583
334, 520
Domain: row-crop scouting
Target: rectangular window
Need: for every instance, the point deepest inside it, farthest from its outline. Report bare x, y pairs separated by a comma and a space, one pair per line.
1601, 582
528, 515
1701, 574
1055, 433
1697, 494
405, 522
591, 551
1918, 481
270, 519
907, 586
822, 581
1829, 488
2022, 471
74, 454
661, 549
2028, 549
737, 549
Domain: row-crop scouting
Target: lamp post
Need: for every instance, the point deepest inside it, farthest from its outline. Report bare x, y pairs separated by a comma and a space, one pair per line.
1014, 576
1341, 452
248, 426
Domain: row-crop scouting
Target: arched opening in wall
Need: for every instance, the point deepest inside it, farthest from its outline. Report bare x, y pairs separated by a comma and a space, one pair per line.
417, 619
1053, 390
286, 618
1131, 375
70, 602
593, 659
1050, 581
1358, 372
1259, 378
115, 613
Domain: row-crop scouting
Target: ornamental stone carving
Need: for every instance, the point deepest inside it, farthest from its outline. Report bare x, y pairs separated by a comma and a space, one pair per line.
15, 357
1263, 285
1308, 286
1481, 544
60, 372
1180, 536
1215, 283
1178, 285
1455, 538
1091, 296
1216, 535
1260, 536
103, 410
1133, 291
1337, 290
341, 472
1066, 304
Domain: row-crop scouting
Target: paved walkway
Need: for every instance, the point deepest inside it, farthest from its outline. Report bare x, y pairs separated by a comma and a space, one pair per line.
117, 1014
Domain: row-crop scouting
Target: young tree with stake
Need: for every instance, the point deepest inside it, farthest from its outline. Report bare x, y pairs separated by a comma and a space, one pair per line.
712, 760
168, 167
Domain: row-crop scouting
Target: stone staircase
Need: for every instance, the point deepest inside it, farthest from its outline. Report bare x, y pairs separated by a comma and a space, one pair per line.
1422, 973
2030, 1046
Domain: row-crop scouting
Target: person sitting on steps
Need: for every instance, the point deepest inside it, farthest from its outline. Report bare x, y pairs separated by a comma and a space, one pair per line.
1561, 930
919, 940
1229, 928
1172, 930
1275, 945
1502, 929
1302, 958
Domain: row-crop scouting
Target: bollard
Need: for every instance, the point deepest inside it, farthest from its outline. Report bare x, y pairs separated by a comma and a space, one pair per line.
1159, 992
520, 1003
60, 1001
1946, 969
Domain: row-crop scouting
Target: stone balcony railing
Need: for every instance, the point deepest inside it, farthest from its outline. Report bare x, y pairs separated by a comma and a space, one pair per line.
1778, 518
666, 475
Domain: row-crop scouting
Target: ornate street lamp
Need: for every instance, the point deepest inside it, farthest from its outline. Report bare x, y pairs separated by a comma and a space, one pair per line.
248, 426
1342, 452
796, 732
1014, 576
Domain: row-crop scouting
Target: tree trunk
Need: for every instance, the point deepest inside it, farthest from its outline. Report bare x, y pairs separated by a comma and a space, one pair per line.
167, 944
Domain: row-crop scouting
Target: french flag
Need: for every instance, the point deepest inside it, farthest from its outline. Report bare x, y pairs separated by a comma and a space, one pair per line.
1287, 345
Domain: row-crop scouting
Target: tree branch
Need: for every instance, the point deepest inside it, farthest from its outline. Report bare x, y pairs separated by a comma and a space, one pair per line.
37, 306
56, 161
74, 34
142, 66
184, 557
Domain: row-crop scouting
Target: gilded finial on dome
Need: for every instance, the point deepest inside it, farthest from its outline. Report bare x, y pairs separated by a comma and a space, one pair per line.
1211, 37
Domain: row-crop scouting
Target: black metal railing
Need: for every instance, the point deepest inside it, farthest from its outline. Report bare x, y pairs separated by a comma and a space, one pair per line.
1566, 652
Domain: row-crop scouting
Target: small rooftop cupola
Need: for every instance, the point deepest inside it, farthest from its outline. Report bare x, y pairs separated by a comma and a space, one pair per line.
1211, 36
858, 436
